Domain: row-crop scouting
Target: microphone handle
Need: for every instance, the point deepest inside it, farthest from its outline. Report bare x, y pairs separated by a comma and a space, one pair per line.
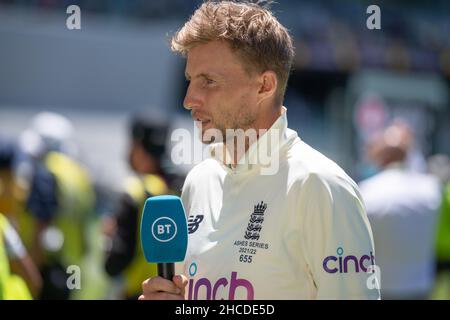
166, 270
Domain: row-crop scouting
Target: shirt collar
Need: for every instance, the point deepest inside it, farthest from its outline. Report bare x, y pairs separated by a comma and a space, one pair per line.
262, 150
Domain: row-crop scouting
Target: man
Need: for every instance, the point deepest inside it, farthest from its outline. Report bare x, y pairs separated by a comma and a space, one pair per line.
60, 203
297, 233
19, 276
124, 256
402, 206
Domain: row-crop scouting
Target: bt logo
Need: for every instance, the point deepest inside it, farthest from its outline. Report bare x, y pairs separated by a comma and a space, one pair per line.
341, 263
164, 229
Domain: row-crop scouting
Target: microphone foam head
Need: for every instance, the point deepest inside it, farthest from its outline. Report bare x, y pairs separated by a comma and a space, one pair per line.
164, 229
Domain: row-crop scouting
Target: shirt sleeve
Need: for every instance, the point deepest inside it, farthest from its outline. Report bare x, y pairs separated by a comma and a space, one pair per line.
185, 195
185, 199
337, 238
13, 244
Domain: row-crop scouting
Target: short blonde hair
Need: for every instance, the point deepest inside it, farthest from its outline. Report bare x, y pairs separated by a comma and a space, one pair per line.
252, 31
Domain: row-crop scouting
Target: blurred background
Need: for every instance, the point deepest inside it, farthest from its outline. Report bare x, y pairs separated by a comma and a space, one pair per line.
80, 93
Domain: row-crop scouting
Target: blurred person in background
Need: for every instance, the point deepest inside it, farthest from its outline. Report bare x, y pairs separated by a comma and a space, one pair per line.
19, 277
13, 190
402, 206
60, 200
124, 257
439, 165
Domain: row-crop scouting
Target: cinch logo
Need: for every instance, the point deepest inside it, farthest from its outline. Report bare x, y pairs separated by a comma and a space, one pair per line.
223, 284
340, 264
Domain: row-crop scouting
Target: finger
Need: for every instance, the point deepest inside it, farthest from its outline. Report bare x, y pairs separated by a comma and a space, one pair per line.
168, 296
160, 296
159, 284
181, 282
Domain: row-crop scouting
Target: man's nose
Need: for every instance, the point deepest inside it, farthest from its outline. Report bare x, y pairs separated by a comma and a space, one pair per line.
191, 101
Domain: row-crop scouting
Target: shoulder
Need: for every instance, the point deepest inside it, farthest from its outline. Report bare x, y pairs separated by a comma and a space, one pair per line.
311, 169
321, 189
200, 179
206, 169
202, 174
392, 186
430, 182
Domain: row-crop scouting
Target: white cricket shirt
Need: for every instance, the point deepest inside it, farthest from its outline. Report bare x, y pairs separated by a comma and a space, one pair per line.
402, 207
301, 233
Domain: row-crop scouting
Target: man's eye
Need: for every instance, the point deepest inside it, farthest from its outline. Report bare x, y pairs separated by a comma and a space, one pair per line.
209, 82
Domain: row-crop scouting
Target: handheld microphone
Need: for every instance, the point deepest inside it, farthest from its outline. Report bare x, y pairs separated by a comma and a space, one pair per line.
164, 233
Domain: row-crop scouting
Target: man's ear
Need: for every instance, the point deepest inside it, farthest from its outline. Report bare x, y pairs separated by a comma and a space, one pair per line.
267, 85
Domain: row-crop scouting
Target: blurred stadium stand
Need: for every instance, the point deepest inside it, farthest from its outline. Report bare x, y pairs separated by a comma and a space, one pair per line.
120, 61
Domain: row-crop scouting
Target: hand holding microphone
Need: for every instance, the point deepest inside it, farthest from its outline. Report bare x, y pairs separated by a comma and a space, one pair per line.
164, 241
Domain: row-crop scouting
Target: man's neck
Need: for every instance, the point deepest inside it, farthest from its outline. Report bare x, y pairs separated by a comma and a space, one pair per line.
260, 126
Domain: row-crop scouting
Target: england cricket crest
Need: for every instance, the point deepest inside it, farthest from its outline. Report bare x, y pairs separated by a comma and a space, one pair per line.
255, 224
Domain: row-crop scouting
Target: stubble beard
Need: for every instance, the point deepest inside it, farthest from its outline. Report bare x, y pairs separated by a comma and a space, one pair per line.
226, 130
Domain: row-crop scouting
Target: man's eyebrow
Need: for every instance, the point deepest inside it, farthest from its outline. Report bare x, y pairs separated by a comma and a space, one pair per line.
200, 75
204, 75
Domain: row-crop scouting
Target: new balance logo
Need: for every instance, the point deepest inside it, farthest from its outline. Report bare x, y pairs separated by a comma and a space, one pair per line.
194, 222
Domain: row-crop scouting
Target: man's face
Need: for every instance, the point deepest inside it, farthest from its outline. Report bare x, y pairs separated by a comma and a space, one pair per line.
140, 161
221, 94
